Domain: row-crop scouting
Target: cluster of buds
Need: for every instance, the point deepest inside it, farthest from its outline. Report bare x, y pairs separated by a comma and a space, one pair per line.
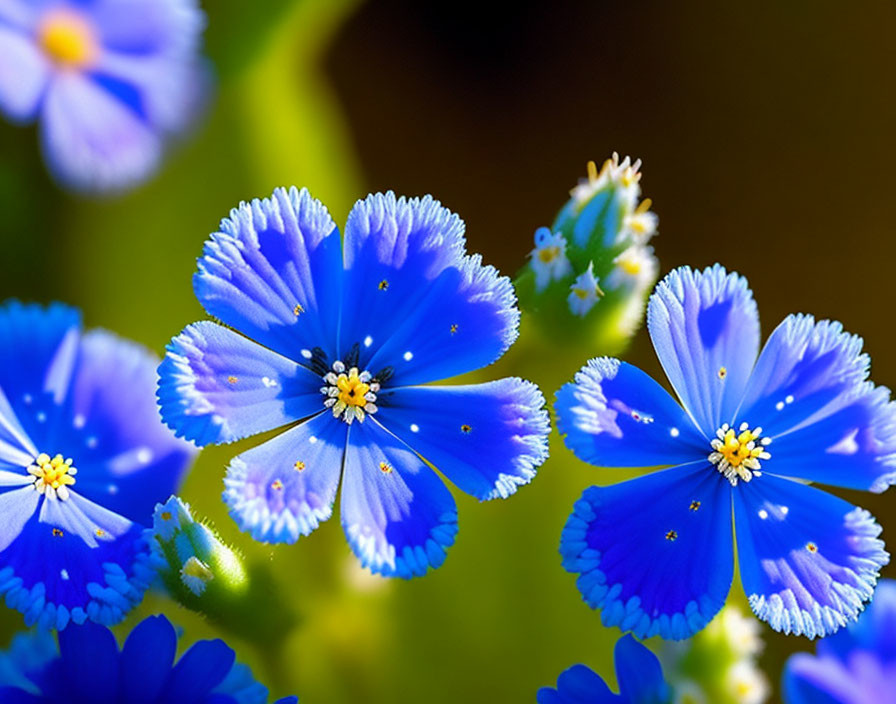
594, 265
718, 665
195, 566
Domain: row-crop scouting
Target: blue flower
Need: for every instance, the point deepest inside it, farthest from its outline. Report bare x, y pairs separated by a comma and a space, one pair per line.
108, 81
638, 672
347, 340
89, 667
655, 553
855, 666
83, 460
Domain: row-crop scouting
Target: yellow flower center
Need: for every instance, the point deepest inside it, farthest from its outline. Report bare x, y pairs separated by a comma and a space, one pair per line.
348, 393
68, 38
53, 474
548, 254
351, 389
736, 454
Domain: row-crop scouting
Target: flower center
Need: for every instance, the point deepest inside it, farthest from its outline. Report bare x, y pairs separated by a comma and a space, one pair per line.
548, 254
350, 394
53, 475
736, 454
68, 38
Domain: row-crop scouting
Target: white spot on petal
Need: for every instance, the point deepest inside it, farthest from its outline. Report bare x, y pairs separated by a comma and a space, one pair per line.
763, 514
306, 354
408, 356
415, 428
780, 405
64, 574
368, 341
674, 432
79, 421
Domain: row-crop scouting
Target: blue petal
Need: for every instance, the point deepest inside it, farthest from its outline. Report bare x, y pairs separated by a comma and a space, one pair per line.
144, 29
810, 395
201, 669
146, 659
465, 320
240, 687
654, 553
810, 680
579, 685
408, 282
705, 328
486, 438
285, 487
639, 674
28, 653
17, 507
89, 663
127, 459
91, 140
9, 695
38, 353
74, 580
273, 272
24, 73
615, 415
396, 512
217, 386
808, 560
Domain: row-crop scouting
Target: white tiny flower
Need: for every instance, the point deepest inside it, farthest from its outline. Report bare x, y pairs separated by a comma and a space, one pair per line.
746, 683
640, 225
689, 692
548, 259
584, 292
635, 269
741, 632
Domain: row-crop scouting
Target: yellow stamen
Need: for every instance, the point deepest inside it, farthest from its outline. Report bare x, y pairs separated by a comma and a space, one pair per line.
548, 254
592, 171
644, 206
68, 39
54, 473
351, 389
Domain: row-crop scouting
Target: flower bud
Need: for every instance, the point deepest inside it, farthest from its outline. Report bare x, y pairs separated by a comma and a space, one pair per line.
589, 274
198, 570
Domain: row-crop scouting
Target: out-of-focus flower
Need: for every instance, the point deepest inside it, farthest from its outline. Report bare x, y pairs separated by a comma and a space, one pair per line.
855, 666
548, 259
196, 567
348, 341
83, 459
601, 234
109, 81
638, 672
718, 665
655, 553
89, 667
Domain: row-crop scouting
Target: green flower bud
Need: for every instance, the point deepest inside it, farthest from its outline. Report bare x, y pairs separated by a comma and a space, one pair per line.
197, 569
589, 274
718, 665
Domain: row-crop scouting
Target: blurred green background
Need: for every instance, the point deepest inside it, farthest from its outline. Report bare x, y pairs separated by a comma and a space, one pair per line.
767, 134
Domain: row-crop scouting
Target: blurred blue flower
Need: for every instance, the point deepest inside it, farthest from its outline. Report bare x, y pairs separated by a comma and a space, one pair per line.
347, 342
108, 81
855, 666
638, 672
89, 667
83, 459
752, 430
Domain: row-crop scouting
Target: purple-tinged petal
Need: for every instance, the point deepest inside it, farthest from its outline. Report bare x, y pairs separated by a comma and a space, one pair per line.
216, 386
285, 487
165, 27
808, 560
24, 73
92, 140
21, 14
803, 372
875, 631
615, 415
274, 272
826, 680
127, 460
853, 446
488, 439
465, 320
628, 542
397, 513
705, 329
